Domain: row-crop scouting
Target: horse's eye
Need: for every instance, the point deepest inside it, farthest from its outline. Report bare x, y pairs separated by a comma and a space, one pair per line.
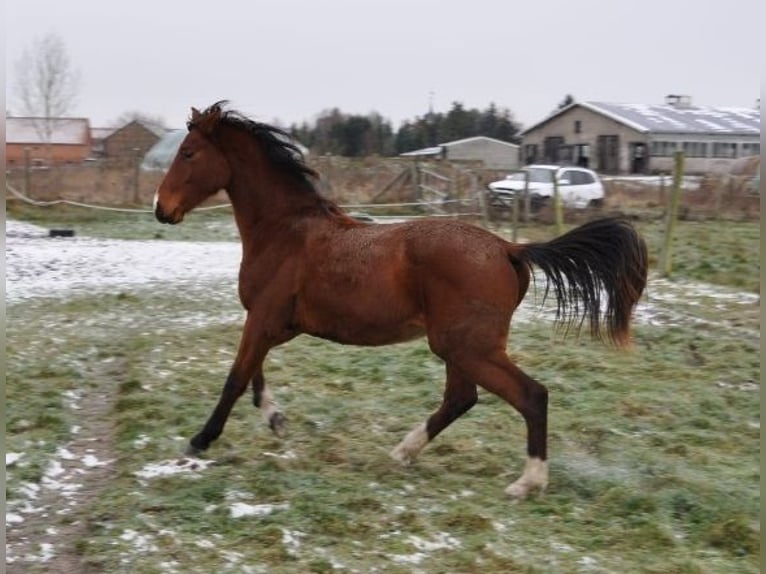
186, 154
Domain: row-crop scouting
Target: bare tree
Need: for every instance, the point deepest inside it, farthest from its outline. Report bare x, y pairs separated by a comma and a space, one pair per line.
46, 84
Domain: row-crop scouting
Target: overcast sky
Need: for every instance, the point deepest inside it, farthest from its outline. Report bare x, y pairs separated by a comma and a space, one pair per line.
285, 61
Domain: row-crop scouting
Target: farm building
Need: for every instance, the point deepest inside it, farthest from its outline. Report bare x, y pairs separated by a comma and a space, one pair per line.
128, 142
42, 141
494, 153
619, 138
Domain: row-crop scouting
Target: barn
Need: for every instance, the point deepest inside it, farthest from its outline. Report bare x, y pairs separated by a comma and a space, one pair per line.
618, 138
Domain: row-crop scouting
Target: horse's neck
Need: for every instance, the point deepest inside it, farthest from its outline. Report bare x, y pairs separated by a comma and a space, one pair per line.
264, 197
272, 204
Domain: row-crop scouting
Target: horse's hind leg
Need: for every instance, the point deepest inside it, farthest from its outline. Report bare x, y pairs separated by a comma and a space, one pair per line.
500, 376
263, 399
459, 396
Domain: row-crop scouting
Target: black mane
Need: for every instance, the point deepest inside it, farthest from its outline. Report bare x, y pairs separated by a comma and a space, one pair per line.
281, 150
276, 142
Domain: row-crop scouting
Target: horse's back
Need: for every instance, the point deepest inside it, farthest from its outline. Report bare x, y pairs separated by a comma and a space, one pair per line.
377, 284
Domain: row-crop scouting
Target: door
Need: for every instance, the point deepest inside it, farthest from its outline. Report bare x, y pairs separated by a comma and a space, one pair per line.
638, 163
551, 147
608, 153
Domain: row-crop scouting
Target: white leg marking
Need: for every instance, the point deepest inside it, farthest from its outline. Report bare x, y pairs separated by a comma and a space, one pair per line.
268, 406
271, 413
156, 200
535, 476
407, 450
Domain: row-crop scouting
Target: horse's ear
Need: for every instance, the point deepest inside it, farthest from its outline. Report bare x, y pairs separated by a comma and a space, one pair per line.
195, 114
207, 121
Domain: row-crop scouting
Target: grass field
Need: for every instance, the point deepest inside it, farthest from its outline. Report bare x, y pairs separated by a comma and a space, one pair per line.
655, 453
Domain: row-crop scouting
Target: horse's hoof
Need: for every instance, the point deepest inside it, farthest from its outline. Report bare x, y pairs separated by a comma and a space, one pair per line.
519, 490
278, 424
402, 456
192, 450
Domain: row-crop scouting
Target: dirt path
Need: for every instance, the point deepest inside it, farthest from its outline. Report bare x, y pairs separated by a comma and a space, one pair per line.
55, 516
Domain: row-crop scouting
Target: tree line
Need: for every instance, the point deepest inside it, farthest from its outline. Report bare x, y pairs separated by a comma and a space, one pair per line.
353, 135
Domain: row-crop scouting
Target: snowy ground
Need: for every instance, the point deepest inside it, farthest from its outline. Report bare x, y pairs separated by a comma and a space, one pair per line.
40, 266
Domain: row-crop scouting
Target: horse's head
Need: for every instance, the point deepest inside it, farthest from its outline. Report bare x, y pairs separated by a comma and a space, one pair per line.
198, 171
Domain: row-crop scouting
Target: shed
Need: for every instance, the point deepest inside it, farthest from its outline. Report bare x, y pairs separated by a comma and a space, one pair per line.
619, 138
493, 153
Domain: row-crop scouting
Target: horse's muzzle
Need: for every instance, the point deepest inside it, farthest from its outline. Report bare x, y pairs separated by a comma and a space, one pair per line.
161, 216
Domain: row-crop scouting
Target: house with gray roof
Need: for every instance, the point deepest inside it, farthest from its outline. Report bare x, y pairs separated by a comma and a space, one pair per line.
618, 138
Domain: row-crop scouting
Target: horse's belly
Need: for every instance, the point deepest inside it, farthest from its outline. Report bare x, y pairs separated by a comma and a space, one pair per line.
361, 321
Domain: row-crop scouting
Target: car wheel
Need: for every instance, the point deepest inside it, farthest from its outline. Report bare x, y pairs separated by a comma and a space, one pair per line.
596, 203
537, 202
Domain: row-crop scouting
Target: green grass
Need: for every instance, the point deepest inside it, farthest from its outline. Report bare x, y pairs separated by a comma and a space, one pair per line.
654, 463
655, 452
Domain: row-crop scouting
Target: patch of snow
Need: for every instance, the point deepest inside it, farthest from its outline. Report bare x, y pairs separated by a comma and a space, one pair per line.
291, 540
441, 541
173, 467
140, 542
12, 458
64, 453
13, 518
287, 455
91, 461
241, 509
141, 441
47, 551
54, 469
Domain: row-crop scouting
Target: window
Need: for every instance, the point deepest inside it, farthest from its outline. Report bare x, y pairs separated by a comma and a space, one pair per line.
575, 177
530, 153
751, 149
577, 126
695, 149
728, 150
662, 149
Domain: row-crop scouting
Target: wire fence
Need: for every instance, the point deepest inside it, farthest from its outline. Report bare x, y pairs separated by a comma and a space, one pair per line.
365, 206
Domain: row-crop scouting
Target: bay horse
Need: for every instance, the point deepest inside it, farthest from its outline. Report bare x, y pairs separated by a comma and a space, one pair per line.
309, 268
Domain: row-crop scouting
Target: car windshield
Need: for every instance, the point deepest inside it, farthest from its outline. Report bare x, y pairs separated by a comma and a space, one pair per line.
540, 175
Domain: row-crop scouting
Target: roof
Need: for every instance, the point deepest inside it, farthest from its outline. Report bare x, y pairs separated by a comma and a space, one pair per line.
161, 154
154, 128
65, 131
479, 138
668, 118
437, 149
101, 133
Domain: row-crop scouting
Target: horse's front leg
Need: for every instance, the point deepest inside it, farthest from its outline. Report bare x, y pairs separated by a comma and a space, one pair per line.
264, 400
252, 351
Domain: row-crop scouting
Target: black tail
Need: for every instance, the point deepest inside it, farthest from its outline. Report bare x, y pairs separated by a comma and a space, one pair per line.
605, 257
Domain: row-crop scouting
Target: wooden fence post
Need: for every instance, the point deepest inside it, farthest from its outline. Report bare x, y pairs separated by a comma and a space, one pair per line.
558, 209
666, 265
